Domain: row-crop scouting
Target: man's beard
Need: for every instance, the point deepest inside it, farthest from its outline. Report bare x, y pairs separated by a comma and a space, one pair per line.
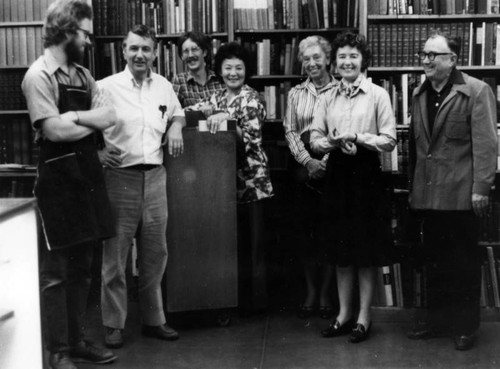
73, 52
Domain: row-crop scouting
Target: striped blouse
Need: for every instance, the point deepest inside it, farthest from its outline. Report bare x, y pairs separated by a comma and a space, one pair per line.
301, 107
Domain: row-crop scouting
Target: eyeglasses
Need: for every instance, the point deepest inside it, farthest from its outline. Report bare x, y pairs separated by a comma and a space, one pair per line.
193, 50
422, 55
87, 34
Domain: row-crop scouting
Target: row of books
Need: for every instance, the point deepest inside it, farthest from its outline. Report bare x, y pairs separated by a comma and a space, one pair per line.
16, 186
23, 10
20, 46
275, 57
16, 141
396, 44
116, 17
11, 95
490, 280
291, 14
402, 7
275, 98
389, 288
402, 286
397, 159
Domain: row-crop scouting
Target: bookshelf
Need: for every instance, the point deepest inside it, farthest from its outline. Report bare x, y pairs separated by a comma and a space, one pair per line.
168, 18
20, 44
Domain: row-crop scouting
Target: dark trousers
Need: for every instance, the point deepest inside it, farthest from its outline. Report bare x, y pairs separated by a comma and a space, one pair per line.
252, 270
65, 276
453, 264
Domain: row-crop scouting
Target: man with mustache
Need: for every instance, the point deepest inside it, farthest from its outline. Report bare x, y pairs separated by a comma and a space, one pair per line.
66, 108
198, 82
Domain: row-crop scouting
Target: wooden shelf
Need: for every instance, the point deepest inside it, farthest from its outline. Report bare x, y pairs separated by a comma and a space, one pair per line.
479, 68
485, 243
17, 173
13, 112
162, 36
249, 32
278, 77
21, 24
435, 17
14, 67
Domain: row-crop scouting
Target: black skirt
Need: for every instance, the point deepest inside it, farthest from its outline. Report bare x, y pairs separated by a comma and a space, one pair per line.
356, 211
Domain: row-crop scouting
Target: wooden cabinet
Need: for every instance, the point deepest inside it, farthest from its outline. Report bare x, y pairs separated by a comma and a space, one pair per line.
201, 231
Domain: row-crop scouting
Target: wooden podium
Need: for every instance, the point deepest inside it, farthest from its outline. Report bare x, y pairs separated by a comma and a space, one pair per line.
201, 232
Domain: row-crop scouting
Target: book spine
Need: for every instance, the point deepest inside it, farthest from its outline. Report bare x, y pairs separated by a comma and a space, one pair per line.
386, 272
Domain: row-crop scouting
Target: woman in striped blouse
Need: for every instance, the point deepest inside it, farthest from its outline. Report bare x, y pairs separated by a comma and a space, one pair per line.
308, 169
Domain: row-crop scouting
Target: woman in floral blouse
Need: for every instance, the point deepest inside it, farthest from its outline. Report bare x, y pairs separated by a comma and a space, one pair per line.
240, 102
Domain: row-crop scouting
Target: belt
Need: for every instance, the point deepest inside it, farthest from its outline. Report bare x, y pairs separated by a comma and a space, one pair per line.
143, 167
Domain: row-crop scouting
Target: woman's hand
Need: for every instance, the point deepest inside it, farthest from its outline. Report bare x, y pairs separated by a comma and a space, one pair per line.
207, 109
345, 141
214, 121
316, 168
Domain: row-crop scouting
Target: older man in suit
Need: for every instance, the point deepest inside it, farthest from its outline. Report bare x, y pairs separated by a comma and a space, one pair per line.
453, 153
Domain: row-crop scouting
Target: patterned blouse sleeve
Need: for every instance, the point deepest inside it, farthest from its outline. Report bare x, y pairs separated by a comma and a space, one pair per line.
253, 114
292, 135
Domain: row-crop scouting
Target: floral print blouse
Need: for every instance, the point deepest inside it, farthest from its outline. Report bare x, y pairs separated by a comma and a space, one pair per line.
253, 179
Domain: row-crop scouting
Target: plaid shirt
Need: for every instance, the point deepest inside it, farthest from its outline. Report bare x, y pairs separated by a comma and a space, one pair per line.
190, 92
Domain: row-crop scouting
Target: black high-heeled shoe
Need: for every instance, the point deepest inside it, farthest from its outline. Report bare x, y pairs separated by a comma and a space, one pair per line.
335, 329
359, 333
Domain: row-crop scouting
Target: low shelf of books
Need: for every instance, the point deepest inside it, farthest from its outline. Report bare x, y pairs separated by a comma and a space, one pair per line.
395, 34
20, 44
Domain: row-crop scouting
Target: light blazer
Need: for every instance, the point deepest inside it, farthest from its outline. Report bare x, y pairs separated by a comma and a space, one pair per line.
460, 157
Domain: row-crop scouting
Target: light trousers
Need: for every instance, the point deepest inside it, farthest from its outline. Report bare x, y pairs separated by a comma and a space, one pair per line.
139, 203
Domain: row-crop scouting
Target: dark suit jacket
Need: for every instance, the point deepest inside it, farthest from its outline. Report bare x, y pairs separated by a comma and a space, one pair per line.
460, 157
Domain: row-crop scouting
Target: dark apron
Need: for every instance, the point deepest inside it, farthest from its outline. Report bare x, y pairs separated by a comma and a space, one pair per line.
70, 187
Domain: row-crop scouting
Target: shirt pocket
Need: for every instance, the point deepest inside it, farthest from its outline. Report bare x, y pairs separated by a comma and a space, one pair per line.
159, 118
456, 127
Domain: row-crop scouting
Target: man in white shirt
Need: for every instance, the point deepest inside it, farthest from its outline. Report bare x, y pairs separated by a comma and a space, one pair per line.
146, 104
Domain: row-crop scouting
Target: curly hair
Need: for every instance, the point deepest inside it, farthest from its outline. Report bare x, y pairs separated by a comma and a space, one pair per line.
62, 19
314, 41
353, 40
200, 39
234, 50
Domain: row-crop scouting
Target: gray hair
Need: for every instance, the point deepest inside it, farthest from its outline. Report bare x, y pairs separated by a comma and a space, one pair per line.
314, 41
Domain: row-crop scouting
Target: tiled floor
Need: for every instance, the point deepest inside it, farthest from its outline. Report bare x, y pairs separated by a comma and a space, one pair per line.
279, 340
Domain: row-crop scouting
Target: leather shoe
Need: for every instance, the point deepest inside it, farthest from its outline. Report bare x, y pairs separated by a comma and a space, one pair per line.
162, 332
60, 360
424, 333
85, 352
335, 329
464, 342
360, 333
113, 338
